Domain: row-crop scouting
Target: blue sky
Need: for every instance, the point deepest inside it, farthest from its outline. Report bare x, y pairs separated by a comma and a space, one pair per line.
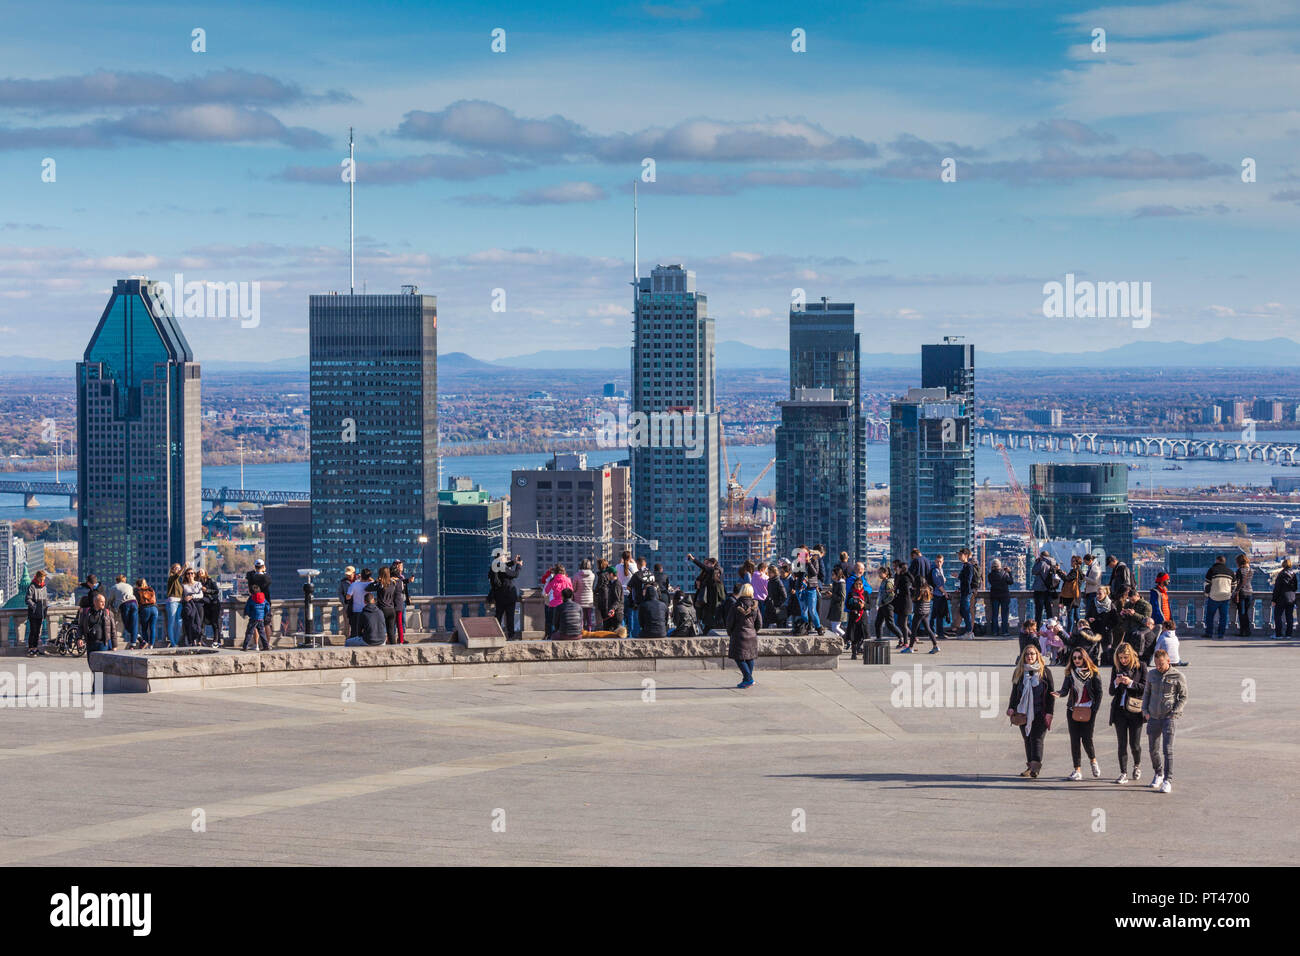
775, 170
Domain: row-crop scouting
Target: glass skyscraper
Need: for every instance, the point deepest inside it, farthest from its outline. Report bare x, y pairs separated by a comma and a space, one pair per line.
1085, 500
374, 434
950, 365
139, 453
675, 493
821, 444
931, 474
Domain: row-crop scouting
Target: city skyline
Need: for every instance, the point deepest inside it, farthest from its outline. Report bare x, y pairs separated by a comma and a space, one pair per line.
1071, 174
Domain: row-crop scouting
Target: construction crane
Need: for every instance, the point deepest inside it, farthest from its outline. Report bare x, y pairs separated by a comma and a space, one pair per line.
1017, 492
737, 494
566, 538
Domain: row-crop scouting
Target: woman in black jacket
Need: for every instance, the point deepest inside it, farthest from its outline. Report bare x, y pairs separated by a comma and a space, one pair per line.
1284, 588
1031, 704
386, 590
37, 600
1243, 596
742, 628
1000, 581
885, 606
1082, 688
904, 584
1128, 682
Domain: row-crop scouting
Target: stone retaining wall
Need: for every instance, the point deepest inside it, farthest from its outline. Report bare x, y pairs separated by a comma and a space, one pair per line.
166, 670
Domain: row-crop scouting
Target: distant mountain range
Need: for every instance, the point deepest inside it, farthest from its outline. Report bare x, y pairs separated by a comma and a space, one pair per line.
731, 355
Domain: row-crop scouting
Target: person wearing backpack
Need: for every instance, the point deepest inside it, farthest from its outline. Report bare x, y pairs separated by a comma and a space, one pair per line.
885, 604
148, 602
1218, 593
1284, 592
1072, 592
855, 606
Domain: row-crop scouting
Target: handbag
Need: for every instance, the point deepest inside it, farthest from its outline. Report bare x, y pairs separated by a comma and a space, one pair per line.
1081, 713
1129, 701
1019, 720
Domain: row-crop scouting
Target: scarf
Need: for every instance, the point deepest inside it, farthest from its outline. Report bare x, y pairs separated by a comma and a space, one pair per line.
1082, 676
1028, 682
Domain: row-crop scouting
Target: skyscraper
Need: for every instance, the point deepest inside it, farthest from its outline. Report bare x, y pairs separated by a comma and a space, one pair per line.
821, 444
1085, 500
950, 365
374, 433
139, 457
567, 497
676, 489
931, 474
464, 559
286, 531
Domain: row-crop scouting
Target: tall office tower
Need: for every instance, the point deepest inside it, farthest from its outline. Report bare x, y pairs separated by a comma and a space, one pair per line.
825, 354
1087, 500
139, 453
676, 490
374, 434
286, 531
931, 474
950, 365
566, 498
464, 559
816, 473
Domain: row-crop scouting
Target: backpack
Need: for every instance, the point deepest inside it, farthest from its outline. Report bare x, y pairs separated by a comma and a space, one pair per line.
976, 576
1070, 588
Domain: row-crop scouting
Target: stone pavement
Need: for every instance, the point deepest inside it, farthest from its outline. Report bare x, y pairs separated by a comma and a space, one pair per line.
584, 768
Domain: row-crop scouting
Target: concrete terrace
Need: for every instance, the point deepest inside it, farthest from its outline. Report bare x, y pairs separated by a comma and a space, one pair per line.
587, 771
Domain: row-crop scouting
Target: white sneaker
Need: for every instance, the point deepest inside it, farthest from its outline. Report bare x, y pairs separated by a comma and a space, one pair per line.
1075, 776
1167, 787
1137, 773
1096, 771
1122, 778
1157, 781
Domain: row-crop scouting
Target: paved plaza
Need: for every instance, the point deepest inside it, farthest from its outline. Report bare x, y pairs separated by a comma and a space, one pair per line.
808, 767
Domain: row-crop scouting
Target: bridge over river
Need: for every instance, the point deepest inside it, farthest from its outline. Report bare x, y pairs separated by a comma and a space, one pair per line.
1141, 446
68, 489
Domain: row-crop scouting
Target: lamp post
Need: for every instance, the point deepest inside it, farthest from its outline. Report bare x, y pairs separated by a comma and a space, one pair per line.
424, 541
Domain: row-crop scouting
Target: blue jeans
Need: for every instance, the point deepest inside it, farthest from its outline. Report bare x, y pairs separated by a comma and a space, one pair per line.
1090, 605
1072, 616
149, 623
1213, 608
808, 608
173, 621
746, 670
967, 622
1279, 612
630, 620
1001, 623
130, 622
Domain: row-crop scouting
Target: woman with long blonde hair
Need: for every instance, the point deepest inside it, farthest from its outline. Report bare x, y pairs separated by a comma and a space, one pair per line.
1128, 682
1031, 704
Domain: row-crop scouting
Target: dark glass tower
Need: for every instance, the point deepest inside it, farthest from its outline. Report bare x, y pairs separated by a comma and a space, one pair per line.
821, 456
374, 434
950, 365
1085, 500
139, 453
675, 497
931, 475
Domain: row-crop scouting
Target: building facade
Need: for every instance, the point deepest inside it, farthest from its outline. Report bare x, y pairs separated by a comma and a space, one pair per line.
821, 495
931, 474
139, 454
1085, 500
676, 484
567, 498
374, 433
286, 531
464, 559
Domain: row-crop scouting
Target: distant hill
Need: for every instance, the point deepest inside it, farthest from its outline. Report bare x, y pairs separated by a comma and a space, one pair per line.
461, 360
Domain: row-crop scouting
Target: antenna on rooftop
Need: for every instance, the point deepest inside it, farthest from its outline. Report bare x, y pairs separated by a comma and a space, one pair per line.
636, 248
352, 219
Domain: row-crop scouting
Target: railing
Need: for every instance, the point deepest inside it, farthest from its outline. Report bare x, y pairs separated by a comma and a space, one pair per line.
434, 618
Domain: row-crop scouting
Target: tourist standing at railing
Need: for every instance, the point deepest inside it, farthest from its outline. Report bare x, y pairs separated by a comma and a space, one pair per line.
1072, 592
211, 606
968, 583
556, 584
505, 594
624, 571
1091, 584
1219, 582
357, 595
905, 588
835, 613
175, 592
1284, 594
709, 592
1159, 597
1000, 581
122, 600
1121, 580
584, 593
1038, 576
37, 600
609, 600
256, 632
1243, 596
403, 598
1128, 682
386, 589
148, 601
259, 578
192, 607
345, 602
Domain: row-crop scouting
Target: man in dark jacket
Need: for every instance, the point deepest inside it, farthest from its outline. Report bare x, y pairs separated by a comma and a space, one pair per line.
609, 600
938, 582
371, 629
1000, 581
568, 618
709, 591
1121, 579
918, 571
258, 578
504, 593
654, 615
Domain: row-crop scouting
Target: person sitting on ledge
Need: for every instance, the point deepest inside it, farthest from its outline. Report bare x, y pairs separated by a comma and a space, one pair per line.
653, 614
371, 630
568, 618
684, 620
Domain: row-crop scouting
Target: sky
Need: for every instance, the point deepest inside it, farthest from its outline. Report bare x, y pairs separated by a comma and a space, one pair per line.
773, 170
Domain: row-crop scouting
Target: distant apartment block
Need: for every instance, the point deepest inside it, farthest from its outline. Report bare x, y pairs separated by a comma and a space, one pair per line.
1050, 417
567, 498
1084, 500
931, 474
464, 559
286, 530
139, 450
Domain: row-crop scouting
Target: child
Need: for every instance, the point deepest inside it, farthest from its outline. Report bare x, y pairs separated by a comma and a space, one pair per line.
1168, 642
255, 610
921, 619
